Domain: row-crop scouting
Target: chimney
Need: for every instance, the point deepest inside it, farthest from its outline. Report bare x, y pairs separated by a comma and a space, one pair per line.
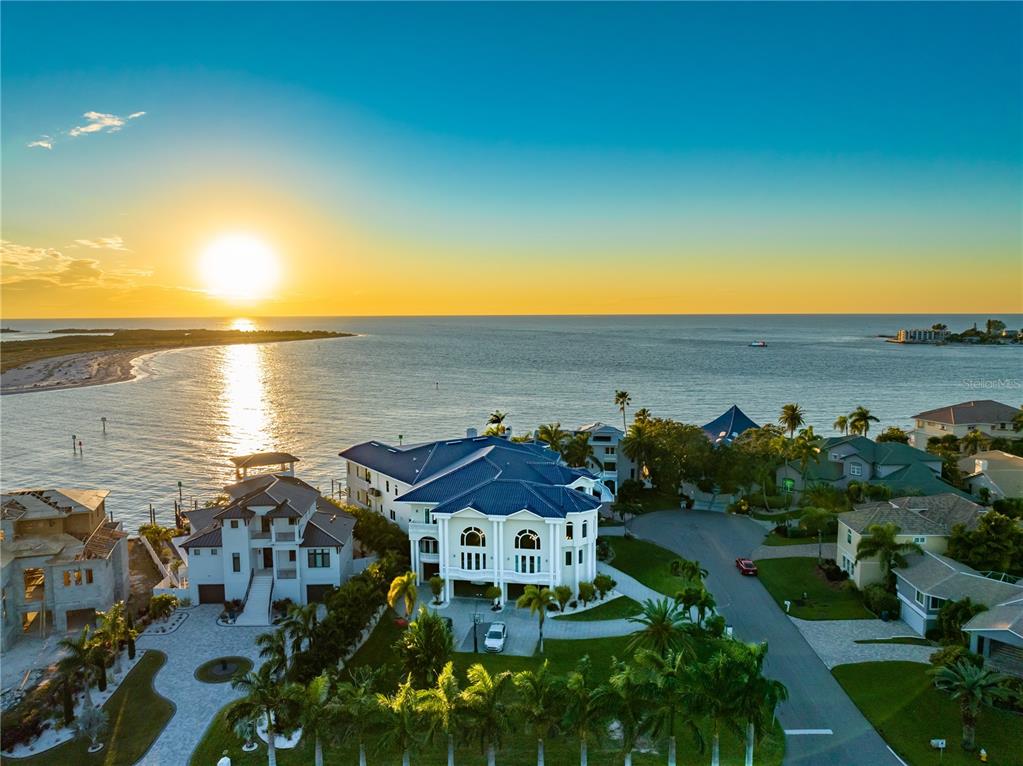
470, 433
979, 466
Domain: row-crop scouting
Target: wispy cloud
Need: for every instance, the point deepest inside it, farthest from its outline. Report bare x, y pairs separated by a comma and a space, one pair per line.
27, 267
104, 243
95, 122
43, 142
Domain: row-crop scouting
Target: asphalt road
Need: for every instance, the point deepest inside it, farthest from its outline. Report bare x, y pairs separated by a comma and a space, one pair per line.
816, 701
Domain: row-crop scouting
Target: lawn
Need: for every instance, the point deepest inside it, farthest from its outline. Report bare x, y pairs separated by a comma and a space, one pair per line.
137, 715
791, 578
519, 749
648, 563
616, 609
899, 699
773, 539
651, 500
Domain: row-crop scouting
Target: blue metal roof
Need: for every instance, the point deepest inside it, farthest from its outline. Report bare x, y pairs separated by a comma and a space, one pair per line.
727, 427
503, 497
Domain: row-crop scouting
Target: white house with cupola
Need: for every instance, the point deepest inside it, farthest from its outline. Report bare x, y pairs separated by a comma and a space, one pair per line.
484, 510
272, 537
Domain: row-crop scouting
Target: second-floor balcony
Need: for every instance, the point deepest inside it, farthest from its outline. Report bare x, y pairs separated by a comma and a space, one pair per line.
287, 574
284, 537
417, 529
260, 535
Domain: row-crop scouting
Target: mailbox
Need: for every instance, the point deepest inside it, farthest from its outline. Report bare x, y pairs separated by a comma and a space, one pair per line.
938, 744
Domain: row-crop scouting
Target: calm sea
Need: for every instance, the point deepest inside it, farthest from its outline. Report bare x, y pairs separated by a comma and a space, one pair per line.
427, 378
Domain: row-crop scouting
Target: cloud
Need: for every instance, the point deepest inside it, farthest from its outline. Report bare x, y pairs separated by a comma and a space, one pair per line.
104, 243
24, 267
136, 115
43, 142
95, 122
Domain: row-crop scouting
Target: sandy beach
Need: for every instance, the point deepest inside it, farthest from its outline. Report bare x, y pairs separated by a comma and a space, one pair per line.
92, 368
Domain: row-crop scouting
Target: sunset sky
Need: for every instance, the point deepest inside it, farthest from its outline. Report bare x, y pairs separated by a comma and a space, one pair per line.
510, 159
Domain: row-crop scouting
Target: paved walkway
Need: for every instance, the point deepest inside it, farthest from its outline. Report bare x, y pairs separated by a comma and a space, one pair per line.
834, 641
198, 640
828, 551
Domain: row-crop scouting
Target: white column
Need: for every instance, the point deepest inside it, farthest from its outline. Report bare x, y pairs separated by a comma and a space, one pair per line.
498, 526
443, 549
556, 552
552, 534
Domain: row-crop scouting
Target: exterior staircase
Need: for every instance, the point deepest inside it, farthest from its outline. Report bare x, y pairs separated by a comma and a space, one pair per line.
257, 605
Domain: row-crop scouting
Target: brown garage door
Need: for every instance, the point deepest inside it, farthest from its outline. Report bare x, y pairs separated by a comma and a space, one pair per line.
211, 594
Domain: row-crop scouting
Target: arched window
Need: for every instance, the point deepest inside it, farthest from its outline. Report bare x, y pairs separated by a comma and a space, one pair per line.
527, 539
570, 531
473, 537
428, 545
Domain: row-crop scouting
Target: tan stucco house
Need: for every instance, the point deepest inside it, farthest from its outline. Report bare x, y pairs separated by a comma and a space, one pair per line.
985, 415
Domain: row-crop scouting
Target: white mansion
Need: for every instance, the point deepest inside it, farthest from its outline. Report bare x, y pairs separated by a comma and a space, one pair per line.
273, 537
483, 509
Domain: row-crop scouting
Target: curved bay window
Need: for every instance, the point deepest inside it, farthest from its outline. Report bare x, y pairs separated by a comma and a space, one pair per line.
527, 563
473, 537
428, 545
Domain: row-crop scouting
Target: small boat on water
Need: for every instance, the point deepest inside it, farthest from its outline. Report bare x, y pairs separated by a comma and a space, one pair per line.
759, 344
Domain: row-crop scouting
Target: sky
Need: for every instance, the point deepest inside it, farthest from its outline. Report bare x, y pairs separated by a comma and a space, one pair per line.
465, 158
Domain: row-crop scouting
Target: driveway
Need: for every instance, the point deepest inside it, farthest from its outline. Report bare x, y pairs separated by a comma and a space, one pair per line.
816, 702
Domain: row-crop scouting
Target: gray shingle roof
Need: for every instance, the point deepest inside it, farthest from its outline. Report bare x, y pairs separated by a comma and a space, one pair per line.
946, 578
260, 459
328, 529
210, 537
977, 411
927, 515
1008, 616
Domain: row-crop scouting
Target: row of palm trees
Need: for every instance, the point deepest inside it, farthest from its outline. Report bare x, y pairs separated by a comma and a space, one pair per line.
856, 422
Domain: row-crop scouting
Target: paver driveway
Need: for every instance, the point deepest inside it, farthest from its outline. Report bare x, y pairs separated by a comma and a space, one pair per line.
816, 701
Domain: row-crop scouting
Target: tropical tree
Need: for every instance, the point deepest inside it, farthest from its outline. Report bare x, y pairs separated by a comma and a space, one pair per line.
663, 627
583, 710
425, 647
273, 650
688, 570
576, 450
791, 418
711, 694
495, 423
266, 699
756, 696
540, 704
971, 687
436, 587
860, 420
401, 720
99, 656
642, 415
563, 594
973, 442
805, 448
441, 706
91, 725
537, 601
552, 434
625, 697
893, 434
704, 604
623, 400
300, 624
355, 708
486, 711
403, 588
640, 443
668, 680
881, 541
315, 716
77, 662
841, 424
587, 592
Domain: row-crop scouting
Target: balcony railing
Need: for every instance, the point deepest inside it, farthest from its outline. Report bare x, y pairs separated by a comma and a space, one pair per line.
418, 529
284, 537
260, 535
287, 574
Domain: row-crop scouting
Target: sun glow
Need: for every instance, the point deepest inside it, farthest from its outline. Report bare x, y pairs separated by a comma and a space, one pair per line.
239, 267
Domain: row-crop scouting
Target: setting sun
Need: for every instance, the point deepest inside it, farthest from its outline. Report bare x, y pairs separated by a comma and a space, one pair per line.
239, 267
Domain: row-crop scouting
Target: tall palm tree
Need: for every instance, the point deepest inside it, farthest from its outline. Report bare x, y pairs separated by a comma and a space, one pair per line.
99, 656
971, 687
425, 647
757, 697
668, 678
805, 448
541, 701
704, 603
791, 418
625, 697
642, 415
882, 541
583, 712
403, 588
623, 400
266, 698
299, 625
688, 570
537, 601
113, 625
712, 694
486, 711
663, 627
402, 718
552, 434
441, 705
315, 716
273, 650
576, 450
860, 420
841, 424
639, 444
355, 707
77, 661
496, 423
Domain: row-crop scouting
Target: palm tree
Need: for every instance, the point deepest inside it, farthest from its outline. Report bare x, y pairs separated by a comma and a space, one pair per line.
403, 588
624, 696
711, 694
973, 442
791, 417
642, 415
541, 700
882, 541
639, 444
668, 678
537, 601
402, 719
663, 627
442, 708
688, 570
860, 420
552, 434
704, 603
113, 629
316, 717
972, 687
299, 625
77, 661
425, 647
576, 450
355, 707
266, 698
583, 711
99, 656
1017, 421
496, 423
623, 400
273, 650
841, 424
757, 697
487, 713
805, 448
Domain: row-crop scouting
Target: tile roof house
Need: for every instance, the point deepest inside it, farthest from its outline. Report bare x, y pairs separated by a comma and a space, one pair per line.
999, 472
925, 520
985, 415
483, 509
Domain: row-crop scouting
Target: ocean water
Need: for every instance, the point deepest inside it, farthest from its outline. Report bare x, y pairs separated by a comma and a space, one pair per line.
425, 378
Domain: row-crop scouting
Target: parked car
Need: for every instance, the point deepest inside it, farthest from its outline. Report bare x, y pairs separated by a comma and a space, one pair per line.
746, 566
494, 642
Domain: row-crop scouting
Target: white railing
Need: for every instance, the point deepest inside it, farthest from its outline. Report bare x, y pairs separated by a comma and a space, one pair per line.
418, 529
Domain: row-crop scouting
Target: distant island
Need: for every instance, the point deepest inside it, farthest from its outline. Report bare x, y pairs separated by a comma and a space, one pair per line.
8, 329
83, 330
70, 361
994, 332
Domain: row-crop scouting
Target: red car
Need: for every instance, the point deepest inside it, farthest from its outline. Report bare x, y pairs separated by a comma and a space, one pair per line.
746, 566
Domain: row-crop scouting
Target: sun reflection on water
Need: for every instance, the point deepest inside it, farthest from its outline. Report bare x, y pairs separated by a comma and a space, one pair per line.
245, 325
244, 398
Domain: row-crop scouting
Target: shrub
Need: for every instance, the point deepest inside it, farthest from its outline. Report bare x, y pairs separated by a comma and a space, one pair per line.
715, 625
160, 607
603, 549
23, 723
951, 618
630, 490
586, 592
949, 655
604, 584
379, 534
832, 571
436, 587
740, 506
492, 593
563, 594
878, 599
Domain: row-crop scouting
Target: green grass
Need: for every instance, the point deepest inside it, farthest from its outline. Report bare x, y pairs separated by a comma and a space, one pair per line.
650, 500
778, 516
648, 563
617, 609
773, 539
788, 579
900, 700
209, 673
137, 715
519, 748
911, 640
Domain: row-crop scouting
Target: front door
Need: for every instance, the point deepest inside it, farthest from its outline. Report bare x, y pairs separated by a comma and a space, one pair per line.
268, 558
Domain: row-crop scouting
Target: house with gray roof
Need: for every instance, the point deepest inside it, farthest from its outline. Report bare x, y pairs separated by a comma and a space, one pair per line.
997, 635
991, 418
608, 460
274, 537
483, 510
